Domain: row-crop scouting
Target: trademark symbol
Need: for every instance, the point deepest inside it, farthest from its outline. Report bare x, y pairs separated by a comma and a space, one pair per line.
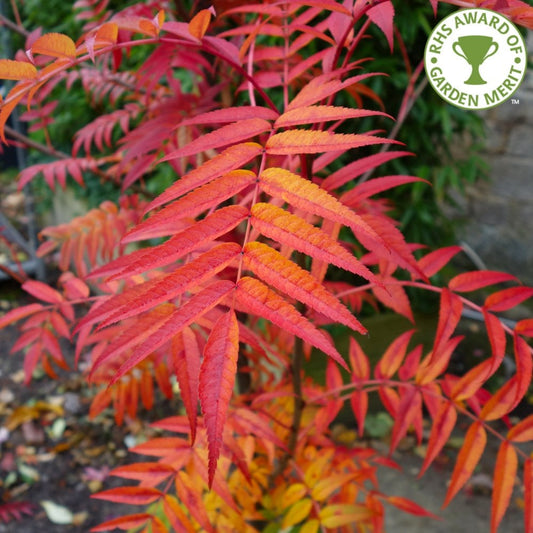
515, 101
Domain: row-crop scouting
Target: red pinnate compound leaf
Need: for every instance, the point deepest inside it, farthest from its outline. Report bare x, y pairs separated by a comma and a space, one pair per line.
217, 376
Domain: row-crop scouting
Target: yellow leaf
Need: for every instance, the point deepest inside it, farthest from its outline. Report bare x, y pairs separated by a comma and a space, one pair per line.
16, 70
342, 514
55, 45
311, 526
298, 512
325, 487
293, 494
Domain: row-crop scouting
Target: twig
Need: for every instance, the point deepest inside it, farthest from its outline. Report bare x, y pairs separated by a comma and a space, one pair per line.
4, 21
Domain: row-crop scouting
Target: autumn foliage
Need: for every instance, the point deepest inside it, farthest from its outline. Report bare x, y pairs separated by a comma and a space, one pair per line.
227, 272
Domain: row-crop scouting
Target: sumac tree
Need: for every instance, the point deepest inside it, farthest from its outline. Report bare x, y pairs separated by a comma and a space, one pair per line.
227, 272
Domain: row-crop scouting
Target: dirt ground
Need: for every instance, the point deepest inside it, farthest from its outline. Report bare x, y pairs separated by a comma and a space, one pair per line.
58, 455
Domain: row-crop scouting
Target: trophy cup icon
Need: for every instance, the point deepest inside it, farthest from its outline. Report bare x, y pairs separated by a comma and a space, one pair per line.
475, 49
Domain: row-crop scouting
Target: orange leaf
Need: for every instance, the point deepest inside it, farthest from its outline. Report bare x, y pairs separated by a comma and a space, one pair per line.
394, 355
341, 514
313, 142
525, 327
55, 45
260, 300
450, 310
240, 131
528, 495
472, 281
523, 431
16, 70
289, 229
217, 376
503, 401
468, 458
288, 277
308, 196
199, 23
441, 429
504, 479
230, 159
191, 205
524, 367
15, 95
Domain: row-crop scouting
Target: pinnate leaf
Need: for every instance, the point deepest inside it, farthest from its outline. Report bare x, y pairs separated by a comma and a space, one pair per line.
298, 283
125, 523
382, 15
320, 113
394, 355
42, 291
508, 298
18, 314
528, 495
522, 432
234, 133
312, 142
298, 512
431, 263
217, 377
409, 506
289, 229
257, 298
130, 495
230, 159
192, 204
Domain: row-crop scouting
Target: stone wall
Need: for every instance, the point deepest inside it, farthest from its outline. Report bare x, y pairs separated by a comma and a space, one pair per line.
499, 212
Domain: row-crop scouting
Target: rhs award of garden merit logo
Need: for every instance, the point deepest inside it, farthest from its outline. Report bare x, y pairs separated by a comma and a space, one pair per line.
475, 58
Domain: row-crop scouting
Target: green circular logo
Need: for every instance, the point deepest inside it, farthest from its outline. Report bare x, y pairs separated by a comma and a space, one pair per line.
475, 58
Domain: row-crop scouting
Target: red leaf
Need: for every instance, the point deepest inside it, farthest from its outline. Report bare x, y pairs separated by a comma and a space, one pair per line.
124, 522
441, 429
191, 205
19, 313
231, 114
501, 402
409, 409
358, 361
142, 297
359, 403
199, 234
357, 168
260, 300
409, 506
298, 283
472, 281
450, 310
382, 15
468, 458
375, 186
313, 142
504, 479
187, 370
508, 298
320, 113
188, 312
42, 291
434, 261
217, 376
231, 158
394, 296
295, 232
152, 473
394, 355
130, 495
240, 131
525, 327
524, 367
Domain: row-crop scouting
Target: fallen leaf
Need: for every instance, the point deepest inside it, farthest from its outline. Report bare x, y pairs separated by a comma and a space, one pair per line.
57, 514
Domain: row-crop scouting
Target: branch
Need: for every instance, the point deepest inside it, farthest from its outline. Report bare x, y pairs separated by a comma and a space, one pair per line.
4, 21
